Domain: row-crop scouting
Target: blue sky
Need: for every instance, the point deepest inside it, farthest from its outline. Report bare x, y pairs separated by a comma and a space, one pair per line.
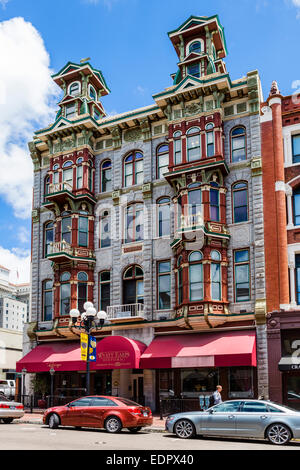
127, 40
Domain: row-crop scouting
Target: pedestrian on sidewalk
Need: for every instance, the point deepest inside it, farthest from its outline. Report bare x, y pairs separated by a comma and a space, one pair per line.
216, 397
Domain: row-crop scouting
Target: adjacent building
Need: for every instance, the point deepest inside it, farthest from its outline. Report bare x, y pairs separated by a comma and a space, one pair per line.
14, 302
156, 216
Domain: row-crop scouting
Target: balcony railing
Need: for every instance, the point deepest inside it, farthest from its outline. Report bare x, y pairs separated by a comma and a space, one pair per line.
59, 187
191, 220
125, 311
60, 247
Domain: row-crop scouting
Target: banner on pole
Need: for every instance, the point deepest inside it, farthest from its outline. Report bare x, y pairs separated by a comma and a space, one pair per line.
84, 346
92, 349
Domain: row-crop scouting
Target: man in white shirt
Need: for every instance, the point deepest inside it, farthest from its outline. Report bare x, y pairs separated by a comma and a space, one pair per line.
217, 395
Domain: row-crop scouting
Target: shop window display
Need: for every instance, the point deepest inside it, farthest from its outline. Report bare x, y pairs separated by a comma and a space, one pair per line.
241, 382
196, 381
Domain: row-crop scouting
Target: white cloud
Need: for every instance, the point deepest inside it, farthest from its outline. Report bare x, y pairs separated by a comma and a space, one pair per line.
18, 261
28, 99
3, 3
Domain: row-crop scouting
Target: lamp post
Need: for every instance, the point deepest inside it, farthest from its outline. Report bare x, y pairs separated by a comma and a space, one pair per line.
24, 371
88, 320
52, 372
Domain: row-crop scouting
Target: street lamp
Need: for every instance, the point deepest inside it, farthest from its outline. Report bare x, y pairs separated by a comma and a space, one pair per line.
88, 319
52, 372
24, 371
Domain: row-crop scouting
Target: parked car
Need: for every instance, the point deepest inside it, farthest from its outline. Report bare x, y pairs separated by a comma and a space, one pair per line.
258, 419
8, 387
110, 413
10, 410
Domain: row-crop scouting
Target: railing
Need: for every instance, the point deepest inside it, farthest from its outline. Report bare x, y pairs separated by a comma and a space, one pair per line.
60, 247
169, 406
191, 220
125, 311
58, 187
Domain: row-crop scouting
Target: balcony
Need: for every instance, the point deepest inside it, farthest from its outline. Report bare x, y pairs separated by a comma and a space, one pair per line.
131, 312
191, 222
191, 229
58, 192
59, 187
63, 251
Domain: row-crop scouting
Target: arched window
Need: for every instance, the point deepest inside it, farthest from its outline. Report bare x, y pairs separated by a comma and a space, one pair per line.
74, 89
196, 276
177, 148
104, 290
46, 186
296, 204
242, 275
163, 214
215, 275
92, 93
133, 169
47, 300
66, 229
134, 223
238, 144
210, 140
48, 238
105, 176
194, 70
68, 175
239, 202
82, 290
162, 155
79, 173
83, 232
194, 199
65, 293
195, 47
55, 177
133, 285
105, 230
193, 144
214, 203
164, 285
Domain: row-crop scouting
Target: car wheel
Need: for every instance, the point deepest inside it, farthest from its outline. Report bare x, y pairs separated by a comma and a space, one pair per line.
134, 430
184, 429
278, 434
113, 424
7, 420
53, 421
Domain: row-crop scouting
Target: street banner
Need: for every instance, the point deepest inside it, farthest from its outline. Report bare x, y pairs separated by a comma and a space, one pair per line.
92, 349
84, 346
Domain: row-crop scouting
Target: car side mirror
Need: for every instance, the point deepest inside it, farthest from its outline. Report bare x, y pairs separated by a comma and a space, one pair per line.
211, 411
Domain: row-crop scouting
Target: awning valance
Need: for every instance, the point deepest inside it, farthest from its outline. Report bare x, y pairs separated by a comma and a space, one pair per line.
114, 352
235, 348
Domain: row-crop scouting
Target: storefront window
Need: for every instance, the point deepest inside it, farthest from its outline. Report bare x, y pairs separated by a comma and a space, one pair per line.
241, 382
166, 382
195, 381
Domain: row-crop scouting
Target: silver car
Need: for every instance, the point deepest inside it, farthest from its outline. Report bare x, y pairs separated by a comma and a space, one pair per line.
10, 410
258, 419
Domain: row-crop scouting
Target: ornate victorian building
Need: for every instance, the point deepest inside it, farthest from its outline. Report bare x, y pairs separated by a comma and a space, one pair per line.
156, 216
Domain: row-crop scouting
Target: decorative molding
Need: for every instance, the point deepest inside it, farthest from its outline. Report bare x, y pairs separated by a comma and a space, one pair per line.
256, 166
260, 311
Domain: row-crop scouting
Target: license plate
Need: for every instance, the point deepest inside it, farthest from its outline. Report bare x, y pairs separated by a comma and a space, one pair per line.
145, 413
12, 407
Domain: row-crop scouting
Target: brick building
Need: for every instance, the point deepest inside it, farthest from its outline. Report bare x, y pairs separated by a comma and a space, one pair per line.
156, 216
280, 124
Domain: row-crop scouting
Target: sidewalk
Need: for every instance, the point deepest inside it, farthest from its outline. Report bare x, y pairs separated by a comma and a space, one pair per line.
37, 418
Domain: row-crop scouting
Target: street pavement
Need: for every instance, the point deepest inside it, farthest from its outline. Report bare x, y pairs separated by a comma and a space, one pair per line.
24, 436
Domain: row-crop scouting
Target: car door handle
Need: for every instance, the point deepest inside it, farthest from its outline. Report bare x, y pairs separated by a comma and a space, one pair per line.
263, 417
230, 417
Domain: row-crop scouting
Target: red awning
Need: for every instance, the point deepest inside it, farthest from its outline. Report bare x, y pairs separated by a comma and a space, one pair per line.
115, 352
235, 348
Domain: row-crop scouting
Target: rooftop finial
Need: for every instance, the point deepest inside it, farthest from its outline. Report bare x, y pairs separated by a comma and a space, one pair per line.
274, 88
85, 60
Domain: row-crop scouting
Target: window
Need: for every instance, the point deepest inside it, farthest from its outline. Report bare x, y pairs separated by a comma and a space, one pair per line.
177, 148
65, 293
92, 93
105, 231
240, 202
96, 114
48, 237
180, 286
195, 381
194, 201
194, 70
66, 226
210, 140
74, 89
134, 223
79, 174
55, 177
297, 258
82, 293
83, 231
195, 47
47, 300
242, 275
46, 187
164, 210
193, 144
230, 407
90, 176
106, 176
196, 276
296, 203
162, 160
238, 144
296, 148
214, 205
99, 401
215, 274
164, 285
240, 382
70, 110
68, 175
83, 402
133, 285
133, 169
254, 407
104, 290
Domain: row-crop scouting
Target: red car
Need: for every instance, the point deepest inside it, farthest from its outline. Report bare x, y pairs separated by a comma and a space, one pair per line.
110, 413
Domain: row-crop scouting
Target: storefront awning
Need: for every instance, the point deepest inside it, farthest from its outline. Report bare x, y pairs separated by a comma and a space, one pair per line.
115, 352
289, 363
235, 348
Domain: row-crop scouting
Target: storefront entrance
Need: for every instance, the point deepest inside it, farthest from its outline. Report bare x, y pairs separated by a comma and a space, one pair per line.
291, 389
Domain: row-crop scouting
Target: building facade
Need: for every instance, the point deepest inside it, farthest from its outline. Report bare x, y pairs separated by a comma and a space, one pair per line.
156, 216
14, 302
280, 123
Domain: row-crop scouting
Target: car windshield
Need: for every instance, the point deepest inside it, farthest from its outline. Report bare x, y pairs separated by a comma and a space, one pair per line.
128, 402
3, 397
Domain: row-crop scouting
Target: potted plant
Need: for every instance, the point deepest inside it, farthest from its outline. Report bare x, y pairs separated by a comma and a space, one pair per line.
40, 387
